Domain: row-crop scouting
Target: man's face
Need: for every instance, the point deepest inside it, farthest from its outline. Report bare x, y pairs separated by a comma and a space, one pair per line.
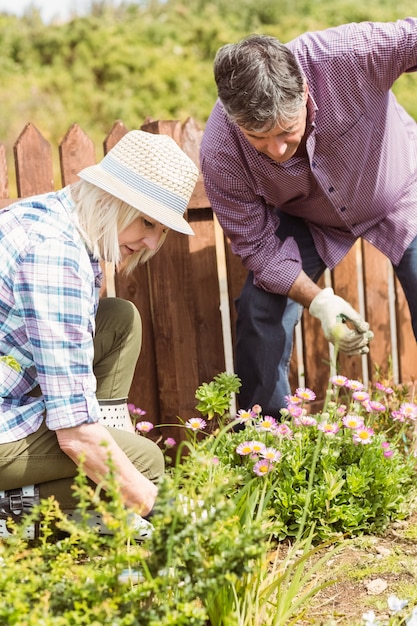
280, 143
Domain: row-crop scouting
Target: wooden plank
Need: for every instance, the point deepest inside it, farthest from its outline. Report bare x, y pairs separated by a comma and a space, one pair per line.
33, 159
377, 307
144, 390
76, 151
4, 177
117, 131
205, 287
172, 128
407, 347
236, 277
173, 316
315, 354
191, 142
345, 284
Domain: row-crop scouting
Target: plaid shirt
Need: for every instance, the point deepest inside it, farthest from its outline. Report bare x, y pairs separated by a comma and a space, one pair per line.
49, 288
360, 177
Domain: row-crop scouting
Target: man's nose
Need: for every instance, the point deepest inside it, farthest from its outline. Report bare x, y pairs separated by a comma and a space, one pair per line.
276, 147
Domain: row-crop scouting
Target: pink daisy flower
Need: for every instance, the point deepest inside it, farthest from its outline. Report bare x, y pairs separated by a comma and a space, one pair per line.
328, 428
295, 411
308, 420
338, 380
352, 421
263, 467
305, 394
244, 448
258, 447
293, 400
170, 442
266, 424
195, 423
409, 410
372, 406
243, 416
271, 454
341, 410
387, 450
381, 387
363, 435
144, 427
355, 385
360, 396
397, 416
135, 410
283, 430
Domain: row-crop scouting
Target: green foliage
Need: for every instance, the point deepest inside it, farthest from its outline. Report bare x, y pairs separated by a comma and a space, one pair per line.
215, 397
214, 556
210, 560
322, 474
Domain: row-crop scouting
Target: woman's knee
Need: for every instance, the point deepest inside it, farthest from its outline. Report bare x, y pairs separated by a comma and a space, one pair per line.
118, 314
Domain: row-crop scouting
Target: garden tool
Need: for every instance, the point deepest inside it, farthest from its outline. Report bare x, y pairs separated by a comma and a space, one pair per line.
14, 504
115, 413
336, 317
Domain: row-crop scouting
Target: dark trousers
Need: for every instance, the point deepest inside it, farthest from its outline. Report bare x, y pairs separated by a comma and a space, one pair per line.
266, 321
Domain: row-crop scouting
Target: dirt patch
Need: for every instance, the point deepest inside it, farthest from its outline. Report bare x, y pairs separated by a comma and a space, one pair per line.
365, 573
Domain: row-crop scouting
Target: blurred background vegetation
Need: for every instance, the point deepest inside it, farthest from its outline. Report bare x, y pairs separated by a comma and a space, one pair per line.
147, 59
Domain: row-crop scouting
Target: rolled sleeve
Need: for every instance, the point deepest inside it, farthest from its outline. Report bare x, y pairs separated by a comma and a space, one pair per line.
55, 289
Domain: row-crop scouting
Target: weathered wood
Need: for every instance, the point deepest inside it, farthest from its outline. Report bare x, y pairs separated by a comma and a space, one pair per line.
33, 159
345, 281
316, 354
205, 295
377, 306
118, 131
144, 392
191, 141
407, 346
173, 316
76, 151
4, 177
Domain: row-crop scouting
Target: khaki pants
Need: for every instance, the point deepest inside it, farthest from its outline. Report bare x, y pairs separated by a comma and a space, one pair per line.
37, 459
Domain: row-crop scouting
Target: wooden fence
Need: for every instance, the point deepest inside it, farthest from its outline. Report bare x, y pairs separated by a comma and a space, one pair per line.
185, 294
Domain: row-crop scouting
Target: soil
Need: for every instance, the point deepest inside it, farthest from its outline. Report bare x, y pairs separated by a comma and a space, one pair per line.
366, 572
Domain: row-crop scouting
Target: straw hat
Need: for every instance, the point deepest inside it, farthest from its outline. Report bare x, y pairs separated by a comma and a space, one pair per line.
151, 173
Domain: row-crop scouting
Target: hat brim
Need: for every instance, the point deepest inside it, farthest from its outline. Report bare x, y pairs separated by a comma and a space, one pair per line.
149, 206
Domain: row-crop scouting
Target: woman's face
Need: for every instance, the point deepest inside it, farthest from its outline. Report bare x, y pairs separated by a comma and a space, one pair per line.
142, 233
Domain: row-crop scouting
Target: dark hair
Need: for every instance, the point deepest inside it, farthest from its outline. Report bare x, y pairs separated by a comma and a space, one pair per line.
259, 82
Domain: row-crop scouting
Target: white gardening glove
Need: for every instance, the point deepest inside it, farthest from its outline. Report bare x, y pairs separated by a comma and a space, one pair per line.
334, 313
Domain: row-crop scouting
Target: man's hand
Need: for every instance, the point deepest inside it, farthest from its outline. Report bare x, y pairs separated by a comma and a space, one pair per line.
342, 325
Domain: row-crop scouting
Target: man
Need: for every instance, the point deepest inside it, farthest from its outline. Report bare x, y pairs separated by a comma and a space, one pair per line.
306, 150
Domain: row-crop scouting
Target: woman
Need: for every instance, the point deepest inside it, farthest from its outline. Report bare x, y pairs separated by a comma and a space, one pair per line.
61, 348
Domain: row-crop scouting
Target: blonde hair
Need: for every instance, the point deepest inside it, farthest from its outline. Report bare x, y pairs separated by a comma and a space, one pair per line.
101, 217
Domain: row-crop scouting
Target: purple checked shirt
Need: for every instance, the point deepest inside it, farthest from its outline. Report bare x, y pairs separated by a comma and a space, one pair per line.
360, 177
